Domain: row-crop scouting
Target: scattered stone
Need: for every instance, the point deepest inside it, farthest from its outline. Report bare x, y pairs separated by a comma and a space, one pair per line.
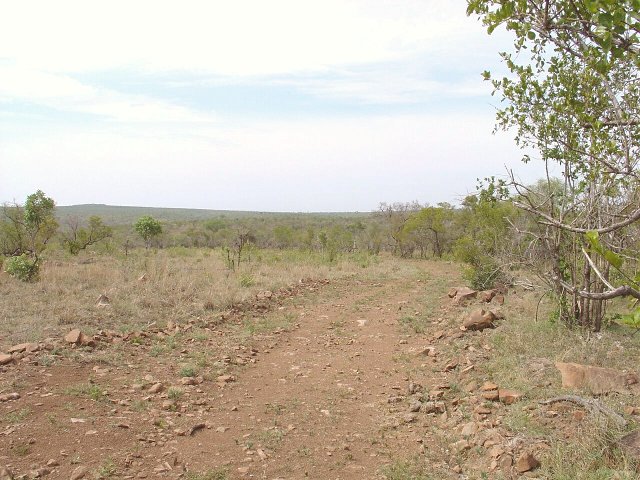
480, 410
489, 386
471, 386
508, 397
155, 388
9, 396
433, 407
103, 301
479, 320
5, 474
410, 418
197, 427
492, 395
452, 292
487, 295
415, 406
465, 293
596, 380
527, 462
469, 429
24, 347
188, 381
452, 365
460, 446
79, 473
414, 388
5, 359
631, 444
76, 337
222, 379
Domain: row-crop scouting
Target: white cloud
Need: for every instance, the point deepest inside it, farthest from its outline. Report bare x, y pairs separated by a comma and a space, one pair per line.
66, 94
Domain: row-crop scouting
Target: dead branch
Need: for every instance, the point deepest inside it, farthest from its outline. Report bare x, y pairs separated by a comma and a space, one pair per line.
593, 405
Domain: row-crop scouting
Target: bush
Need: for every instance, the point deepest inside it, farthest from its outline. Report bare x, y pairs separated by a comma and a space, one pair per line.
23, 268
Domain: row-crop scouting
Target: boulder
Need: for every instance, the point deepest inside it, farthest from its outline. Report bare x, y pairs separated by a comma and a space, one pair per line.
508, 397
479, 320
452, 292
103, 301
5, 359
24, 347
487, 295
465, 293
526, 462
597, 380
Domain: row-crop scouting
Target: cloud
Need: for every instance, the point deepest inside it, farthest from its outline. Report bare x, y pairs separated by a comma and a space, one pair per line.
64, 93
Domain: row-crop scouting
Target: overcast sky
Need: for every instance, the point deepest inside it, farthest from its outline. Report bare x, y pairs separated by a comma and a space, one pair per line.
280, 105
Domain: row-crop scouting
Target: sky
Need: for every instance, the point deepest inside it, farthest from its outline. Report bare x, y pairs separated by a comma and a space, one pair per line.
285, 105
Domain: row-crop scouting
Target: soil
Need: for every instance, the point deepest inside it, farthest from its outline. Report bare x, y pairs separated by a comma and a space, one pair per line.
315, 384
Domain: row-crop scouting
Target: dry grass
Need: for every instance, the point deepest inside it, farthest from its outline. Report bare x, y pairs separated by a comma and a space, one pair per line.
179, 284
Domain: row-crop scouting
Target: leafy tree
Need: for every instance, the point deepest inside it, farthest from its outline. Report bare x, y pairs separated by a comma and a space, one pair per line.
428, 226
78, 238
148, 228
25, 232
574, 98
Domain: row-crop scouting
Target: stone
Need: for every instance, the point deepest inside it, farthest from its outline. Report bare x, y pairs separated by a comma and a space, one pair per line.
22, 347
226, 379
492, 395
596, 380
508, 397
465, 293
9, 396
79, 473
487, 295
103, 301
499, 299
5, 474
526, 462
630, 443
414, 388
452, 292
479, 320
155, 388
489, 386
433, 407
5, 359
76, 337
415, 406
410, 418
188, 381
460, 446
469, 429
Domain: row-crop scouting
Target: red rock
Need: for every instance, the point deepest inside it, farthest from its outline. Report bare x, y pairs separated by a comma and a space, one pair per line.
597, 380
493, 395
74, 336
479, 320
5, 359
487, 295
508, 397
22, 347
452, 292
527, 462
465, 293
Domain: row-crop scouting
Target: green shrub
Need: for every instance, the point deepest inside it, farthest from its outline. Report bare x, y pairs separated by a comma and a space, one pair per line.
23, 268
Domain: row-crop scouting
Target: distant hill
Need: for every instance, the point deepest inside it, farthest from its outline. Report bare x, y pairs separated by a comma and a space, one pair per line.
118, 215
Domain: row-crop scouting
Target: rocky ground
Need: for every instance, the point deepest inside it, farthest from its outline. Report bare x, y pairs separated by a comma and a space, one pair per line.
349, 379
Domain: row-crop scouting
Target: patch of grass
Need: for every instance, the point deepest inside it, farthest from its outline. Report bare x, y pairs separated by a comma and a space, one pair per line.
21, 449
89, 390
216, 474
174, 393
413, 324
407, 470
107, 469
246, 280
188, 371
269, 323
271, 438
17, 416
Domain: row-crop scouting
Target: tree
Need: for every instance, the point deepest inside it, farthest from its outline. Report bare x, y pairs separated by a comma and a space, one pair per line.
78, 238
573, 97
148, 228
427, 226
25, 232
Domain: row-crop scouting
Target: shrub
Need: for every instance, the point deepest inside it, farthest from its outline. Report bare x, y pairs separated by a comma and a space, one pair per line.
23, 268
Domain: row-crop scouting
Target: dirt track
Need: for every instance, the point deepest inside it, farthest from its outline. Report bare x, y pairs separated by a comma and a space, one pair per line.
317, 391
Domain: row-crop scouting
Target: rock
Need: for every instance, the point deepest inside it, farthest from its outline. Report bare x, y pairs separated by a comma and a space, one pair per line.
487, 295
103, 301
480, 410
79, 473
188, 381
222, 379
596, 380
526, 462
143, 277
428, 352
479, 320
433, 407
5, 359
469, 429
631, 444
465, 293
452, 292
489, 386
76, 337
5, 474
155, 388
414, 388
629, 410
197, 427
22, 347
492, 395
499, 299
168, 404
410, 418
508, 397
460, 446
9, 396
471, 386
415, 406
